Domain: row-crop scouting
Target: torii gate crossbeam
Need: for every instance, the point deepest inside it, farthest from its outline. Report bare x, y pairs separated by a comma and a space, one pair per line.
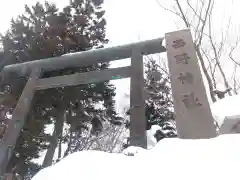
35, 68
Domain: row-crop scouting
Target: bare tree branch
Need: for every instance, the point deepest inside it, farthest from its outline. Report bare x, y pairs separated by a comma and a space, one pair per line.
195, 12
197, 15
209, 9
199, 18
166, 9
235, 90
231, 52
210, 84
212, 70
183, 15
216, 56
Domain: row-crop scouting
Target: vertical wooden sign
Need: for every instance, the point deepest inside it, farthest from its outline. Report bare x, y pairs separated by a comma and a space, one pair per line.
193, 115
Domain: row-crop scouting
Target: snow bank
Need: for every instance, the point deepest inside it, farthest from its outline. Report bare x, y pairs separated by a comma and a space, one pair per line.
171, 159
226, 107
226, 112
151, 140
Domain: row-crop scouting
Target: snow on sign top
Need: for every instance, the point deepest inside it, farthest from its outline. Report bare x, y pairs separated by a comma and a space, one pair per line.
171, 159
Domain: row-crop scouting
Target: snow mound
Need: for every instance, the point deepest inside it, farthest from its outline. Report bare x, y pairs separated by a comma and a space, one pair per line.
173, 158
133, 150
151, 140
226, 113
225, 108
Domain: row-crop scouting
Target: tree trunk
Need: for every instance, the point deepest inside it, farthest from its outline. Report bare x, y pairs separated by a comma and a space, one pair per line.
56, 135
70, 142
60, 137
210, 84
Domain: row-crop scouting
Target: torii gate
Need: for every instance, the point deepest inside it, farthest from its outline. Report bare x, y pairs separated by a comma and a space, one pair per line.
193, 116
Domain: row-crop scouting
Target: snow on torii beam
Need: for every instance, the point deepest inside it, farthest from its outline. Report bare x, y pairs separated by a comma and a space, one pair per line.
87, 57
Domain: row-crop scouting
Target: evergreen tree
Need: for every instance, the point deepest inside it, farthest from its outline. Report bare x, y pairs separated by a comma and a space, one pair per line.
42, 32
158, 103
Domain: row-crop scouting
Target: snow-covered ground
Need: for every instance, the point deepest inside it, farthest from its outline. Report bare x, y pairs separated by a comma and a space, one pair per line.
171, 159
216, 158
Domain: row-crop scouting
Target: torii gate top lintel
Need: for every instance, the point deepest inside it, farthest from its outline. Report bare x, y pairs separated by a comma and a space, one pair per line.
84, 58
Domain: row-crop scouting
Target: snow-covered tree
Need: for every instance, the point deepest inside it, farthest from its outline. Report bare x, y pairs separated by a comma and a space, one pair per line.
159, 104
